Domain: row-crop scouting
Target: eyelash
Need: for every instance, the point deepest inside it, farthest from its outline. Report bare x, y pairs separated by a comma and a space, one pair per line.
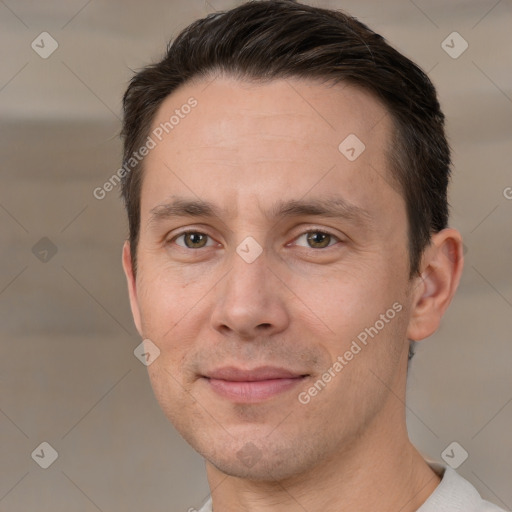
318, 231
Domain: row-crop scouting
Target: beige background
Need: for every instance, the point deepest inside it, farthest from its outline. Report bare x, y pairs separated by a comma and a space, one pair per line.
67, 371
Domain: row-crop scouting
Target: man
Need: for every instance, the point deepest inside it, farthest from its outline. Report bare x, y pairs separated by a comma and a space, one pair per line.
285, 180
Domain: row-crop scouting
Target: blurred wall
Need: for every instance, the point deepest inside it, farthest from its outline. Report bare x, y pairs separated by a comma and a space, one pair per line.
67, 369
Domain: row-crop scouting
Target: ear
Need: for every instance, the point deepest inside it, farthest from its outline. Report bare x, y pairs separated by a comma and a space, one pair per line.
433, 290
132, 285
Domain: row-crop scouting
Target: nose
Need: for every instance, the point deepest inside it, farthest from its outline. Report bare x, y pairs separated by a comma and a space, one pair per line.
251, 300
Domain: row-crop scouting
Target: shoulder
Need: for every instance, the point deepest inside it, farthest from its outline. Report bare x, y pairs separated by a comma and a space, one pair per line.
485, 506
455, 494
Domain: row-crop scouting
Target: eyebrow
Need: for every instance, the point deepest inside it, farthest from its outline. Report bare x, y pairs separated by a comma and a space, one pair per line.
181, 207
332, 207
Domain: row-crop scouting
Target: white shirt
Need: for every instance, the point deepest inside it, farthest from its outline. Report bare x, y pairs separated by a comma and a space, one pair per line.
453, 494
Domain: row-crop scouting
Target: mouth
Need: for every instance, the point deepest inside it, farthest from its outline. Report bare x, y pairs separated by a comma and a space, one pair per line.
250, 386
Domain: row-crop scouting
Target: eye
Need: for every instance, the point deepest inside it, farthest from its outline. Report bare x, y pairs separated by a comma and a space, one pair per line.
193, 240
318, 239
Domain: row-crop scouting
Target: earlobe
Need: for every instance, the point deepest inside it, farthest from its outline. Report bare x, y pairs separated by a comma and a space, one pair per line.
132, 286
434, 289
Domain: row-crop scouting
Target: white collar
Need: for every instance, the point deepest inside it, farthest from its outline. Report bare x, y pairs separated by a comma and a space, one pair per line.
453, 493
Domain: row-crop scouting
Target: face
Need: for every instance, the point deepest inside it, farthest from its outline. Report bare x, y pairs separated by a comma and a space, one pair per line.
272, 272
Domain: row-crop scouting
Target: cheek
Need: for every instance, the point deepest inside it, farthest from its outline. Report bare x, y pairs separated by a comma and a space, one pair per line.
156, 307
163, 299
366, 316
169, 318
350, 301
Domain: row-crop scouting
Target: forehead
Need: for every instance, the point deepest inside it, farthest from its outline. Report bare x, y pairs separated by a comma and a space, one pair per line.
293, 110
268, 140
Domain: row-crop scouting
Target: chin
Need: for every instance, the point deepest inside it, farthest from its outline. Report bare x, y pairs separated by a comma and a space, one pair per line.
268, 463
261, 471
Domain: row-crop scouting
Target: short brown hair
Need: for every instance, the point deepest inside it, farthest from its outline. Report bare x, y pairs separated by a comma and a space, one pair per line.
267, 40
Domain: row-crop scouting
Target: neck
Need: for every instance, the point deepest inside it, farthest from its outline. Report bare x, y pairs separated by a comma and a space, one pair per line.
381, 470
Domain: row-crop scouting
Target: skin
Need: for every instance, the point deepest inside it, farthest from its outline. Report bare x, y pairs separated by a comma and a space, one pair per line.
245, 147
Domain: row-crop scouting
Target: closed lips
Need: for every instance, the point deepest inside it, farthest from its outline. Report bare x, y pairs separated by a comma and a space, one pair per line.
258, 374
251, 386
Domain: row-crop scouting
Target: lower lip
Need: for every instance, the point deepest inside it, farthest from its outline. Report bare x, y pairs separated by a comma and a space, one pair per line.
255, 391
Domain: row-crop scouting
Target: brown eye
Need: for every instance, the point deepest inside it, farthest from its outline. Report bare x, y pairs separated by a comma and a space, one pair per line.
193, 240
317, 239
